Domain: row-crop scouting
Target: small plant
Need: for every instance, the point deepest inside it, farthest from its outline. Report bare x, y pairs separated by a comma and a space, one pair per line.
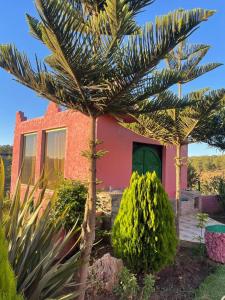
70, 201
149, 287
128, 287
143, 233
7, 277
202, 219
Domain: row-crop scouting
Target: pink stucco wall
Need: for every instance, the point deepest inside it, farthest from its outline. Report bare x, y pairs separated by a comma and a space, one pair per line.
76, 166
210, 204
114, 169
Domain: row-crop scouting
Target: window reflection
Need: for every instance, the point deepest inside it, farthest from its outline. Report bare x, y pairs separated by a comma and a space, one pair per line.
29, 159
54, 157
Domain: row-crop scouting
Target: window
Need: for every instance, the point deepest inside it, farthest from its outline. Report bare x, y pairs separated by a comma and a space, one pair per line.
29, 158
54, 156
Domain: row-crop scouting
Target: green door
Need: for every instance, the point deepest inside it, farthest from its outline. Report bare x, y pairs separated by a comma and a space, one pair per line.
146, 158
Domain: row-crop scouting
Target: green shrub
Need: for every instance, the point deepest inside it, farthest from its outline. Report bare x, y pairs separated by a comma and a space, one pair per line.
215, 186
7, 277
193, 177
128, 287
70, 201
149, 287
143, 233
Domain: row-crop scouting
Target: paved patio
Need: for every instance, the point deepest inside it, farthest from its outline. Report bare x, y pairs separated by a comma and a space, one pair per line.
188, 230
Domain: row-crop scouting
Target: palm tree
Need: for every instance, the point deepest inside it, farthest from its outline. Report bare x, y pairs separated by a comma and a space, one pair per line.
214, 134
173, 127
95, 68
182, 126
186, 58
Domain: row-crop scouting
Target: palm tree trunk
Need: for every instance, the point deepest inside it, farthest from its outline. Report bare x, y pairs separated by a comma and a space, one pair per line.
88, 226
178, 188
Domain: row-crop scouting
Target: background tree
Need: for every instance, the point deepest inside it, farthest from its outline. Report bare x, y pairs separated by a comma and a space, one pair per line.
181, 127
214, 134
186, 58
95, 69
6, 154
192, 176
176, 126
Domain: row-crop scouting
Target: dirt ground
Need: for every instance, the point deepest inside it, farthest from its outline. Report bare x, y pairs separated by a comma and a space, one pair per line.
179, 281
176, 282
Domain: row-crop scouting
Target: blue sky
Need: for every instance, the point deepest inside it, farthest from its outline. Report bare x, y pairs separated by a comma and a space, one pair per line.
13, 29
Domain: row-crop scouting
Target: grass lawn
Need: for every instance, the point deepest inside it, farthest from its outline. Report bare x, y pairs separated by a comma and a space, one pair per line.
213, 287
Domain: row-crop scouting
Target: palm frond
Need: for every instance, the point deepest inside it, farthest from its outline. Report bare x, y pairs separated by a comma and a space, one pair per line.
186, 58
196, 72
81, 76
189, 121
146, 50
186, 53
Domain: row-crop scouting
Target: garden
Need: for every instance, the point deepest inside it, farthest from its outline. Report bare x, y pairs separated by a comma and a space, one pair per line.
42, 248
65, 244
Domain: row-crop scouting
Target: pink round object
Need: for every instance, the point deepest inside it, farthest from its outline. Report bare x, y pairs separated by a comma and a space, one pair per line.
215, 242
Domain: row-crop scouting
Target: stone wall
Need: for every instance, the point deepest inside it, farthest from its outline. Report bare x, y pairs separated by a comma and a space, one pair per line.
109, 202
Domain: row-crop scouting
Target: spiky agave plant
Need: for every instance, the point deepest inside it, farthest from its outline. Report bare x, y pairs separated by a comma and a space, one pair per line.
35, 245
95, 69
7, 277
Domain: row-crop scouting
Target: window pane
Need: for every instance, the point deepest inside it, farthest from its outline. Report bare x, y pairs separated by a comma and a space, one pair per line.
29, 159
54, 157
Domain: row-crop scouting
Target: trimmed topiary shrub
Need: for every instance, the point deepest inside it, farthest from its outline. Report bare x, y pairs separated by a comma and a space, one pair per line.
7, 277
144, 233
70, 202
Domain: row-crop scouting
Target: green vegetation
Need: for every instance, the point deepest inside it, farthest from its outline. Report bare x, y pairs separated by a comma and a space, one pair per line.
207, 174
193, 177
213, 287
202, 219
128, 287
7, 278
35, 245
143, 233
95, 68
215, 186
6, 154
188, 120
70, 202
208, 163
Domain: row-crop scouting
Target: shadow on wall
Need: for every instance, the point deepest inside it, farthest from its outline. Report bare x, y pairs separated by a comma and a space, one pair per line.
210, 204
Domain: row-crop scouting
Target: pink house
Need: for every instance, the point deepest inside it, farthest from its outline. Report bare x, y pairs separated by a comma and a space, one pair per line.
54, 144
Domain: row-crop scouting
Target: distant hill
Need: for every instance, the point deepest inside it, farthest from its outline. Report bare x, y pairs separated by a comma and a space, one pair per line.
209, 166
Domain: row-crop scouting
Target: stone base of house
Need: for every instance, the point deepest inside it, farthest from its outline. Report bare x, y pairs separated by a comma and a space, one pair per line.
109, 202
190, 202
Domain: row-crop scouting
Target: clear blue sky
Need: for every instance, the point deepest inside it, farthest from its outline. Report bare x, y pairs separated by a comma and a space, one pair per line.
13, 29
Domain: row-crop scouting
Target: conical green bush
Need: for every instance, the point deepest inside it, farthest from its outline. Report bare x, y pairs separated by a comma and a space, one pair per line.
143, 233
7, 278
